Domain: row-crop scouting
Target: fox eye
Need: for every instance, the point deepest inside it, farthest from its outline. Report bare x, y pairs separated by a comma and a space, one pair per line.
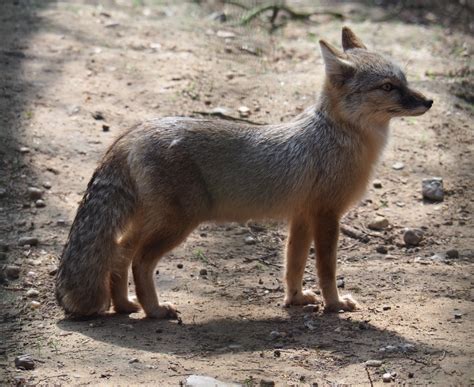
387, 86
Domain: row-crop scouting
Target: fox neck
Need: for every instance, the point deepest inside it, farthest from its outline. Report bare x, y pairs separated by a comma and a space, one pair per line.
373, 129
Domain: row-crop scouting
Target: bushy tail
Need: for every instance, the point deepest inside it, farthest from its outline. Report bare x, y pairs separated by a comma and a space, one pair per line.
83, 277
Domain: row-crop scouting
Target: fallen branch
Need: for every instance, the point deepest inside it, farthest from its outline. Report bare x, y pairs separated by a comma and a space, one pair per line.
298, 15
355, 234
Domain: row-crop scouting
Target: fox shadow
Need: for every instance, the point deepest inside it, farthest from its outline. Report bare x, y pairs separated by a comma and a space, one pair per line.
343, 335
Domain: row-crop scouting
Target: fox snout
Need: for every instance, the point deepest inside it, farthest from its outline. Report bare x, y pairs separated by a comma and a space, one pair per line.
415, 103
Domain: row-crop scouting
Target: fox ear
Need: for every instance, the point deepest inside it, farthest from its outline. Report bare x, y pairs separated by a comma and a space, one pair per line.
350, 40
338, 67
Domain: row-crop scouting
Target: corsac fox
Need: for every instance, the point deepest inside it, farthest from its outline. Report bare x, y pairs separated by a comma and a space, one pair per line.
161, 179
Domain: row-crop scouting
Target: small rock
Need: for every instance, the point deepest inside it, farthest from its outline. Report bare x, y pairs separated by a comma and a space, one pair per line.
381, 249
40, 203
452, 253
12, 271
28, 240
179, 266
133, 360
244, 111
98, 116
32, 293
52, 270
457, 315
340, 283
72, 110
411, 375
24, 362
408, 347
310, 308
47, 185
373, 363
276, 335
61, 222
398, 166
412, 236
377, 184
277, 353
203, 272
105, 128
250, 240
24, 149
386, 307
432, 189
35, 193
35, 304
387, 377
267, 383
225, 34
378, 224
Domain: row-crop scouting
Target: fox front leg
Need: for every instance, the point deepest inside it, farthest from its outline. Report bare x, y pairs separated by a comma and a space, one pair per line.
326, 229
297, 247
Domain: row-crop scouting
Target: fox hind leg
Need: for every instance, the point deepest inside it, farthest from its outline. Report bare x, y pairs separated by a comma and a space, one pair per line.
143, 267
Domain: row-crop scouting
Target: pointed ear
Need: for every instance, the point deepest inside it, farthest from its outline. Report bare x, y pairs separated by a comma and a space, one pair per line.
338, 67
350, 40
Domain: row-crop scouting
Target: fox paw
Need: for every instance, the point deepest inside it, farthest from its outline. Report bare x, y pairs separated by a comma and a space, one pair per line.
164, 311
126, 307
304, 298
345, 303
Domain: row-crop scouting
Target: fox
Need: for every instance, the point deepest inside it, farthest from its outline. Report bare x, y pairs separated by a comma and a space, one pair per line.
162, 178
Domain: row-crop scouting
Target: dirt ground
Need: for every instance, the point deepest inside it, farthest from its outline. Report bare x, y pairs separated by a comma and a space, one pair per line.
62, 63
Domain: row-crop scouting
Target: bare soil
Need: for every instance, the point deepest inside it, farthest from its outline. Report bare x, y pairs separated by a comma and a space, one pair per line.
62, 62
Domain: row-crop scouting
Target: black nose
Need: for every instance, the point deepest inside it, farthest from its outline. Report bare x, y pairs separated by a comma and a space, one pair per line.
428, 103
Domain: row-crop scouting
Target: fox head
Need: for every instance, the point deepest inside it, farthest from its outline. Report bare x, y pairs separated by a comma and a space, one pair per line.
365, 87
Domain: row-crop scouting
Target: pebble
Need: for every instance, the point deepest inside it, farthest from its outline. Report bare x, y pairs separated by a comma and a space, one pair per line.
387, 377
61, 222
47, 185
386, 307
12, 271
377, 184
373, 363
40, 203
24, 362
250, 240
179, 266
203, 272
133, 360
412, 236
381, 249
52, 270
452, 253
24, 149
398, 166
457, 315
432, 189
310, 308
35, 193
28, 240
378, 224
411, 375
266, 383
341, 283
32, 293
35, 304
244, 111
277, 353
